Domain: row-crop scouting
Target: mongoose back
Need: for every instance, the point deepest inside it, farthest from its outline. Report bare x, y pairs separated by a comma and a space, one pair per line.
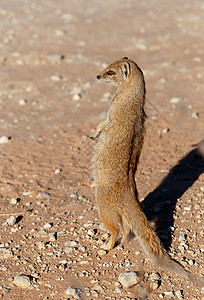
116, 155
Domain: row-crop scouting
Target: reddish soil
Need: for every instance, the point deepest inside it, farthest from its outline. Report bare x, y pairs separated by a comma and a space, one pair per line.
51, 102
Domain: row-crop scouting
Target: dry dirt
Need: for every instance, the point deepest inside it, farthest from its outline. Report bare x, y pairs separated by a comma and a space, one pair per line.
50, 101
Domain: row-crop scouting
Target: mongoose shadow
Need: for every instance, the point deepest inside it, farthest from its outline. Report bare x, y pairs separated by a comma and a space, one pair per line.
159, 205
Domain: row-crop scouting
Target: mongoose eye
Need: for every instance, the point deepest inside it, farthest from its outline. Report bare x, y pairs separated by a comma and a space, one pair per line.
110, 72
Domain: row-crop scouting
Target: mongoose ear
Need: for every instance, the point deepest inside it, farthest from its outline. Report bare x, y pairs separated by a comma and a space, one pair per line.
126, 69
124, 58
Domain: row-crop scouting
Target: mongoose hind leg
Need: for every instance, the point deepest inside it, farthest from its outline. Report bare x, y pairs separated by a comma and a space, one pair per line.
112, 224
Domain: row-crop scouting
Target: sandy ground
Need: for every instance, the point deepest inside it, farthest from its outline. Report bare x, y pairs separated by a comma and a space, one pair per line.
50, 101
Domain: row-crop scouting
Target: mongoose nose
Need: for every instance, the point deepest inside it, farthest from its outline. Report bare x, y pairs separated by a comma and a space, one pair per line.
98, 76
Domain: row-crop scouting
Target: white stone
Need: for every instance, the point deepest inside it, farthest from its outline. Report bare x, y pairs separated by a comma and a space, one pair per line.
195, 115
76, 97
13, 201
176, 100
118, 290
154, 285
22, 281
128, 279
42, 233
71, 243
71, 291
54, 58
102, 252
179, 294
56, 77
4, 140
57, 171
5, 253
52, 236
154, 276
91, 232
22, 102
47, 226
11, 220
27, 193
43, 196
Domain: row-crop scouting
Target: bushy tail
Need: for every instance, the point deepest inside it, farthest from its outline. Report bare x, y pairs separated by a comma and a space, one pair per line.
153, 248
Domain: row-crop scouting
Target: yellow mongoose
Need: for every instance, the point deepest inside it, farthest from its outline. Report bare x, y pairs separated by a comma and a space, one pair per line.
115, 159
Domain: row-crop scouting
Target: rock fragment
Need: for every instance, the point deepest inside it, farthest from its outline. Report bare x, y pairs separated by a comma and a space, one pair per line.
179, 294
14, 201
42, 233
154, 285
102, 252
22, 281
4, 140
5, 253
195, 115
43, 196
71, 243
22, 102
71, 292
128, 279
11, 220
176, 100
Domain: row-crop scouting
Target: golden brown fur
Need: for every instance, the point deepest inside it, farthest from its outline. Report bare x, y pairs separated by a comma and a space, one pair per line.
116, 155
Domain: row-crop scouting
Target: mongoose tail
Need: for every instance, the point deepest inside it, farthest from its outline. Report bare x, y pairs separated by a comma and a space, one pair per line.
152, 246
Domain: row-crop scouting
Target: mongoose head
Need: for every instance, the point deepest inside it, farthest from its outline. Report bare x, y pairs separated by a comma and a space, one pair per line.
121, 72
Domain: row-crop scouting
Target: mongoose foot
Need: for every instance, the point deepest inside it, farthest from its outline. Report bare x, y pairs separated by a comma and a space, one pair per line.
110, 245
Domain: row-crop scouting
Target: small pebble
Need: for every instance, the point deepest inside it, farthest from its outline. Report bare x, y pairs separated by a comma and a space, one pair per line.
71, 243
179, 294
195, 115
14, 201
27, 193
55, 58
175, 100
57, 171
155, 276
91, 232
165, 130
56, 77
128, 279
11, 220
76, 97
71, 292
47, 226
52, 236
22, 102
154, 285
118, 290
102, 252
95, 294
42, 233
171, 294
43, 196
22, 281
4, 140
5, 253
